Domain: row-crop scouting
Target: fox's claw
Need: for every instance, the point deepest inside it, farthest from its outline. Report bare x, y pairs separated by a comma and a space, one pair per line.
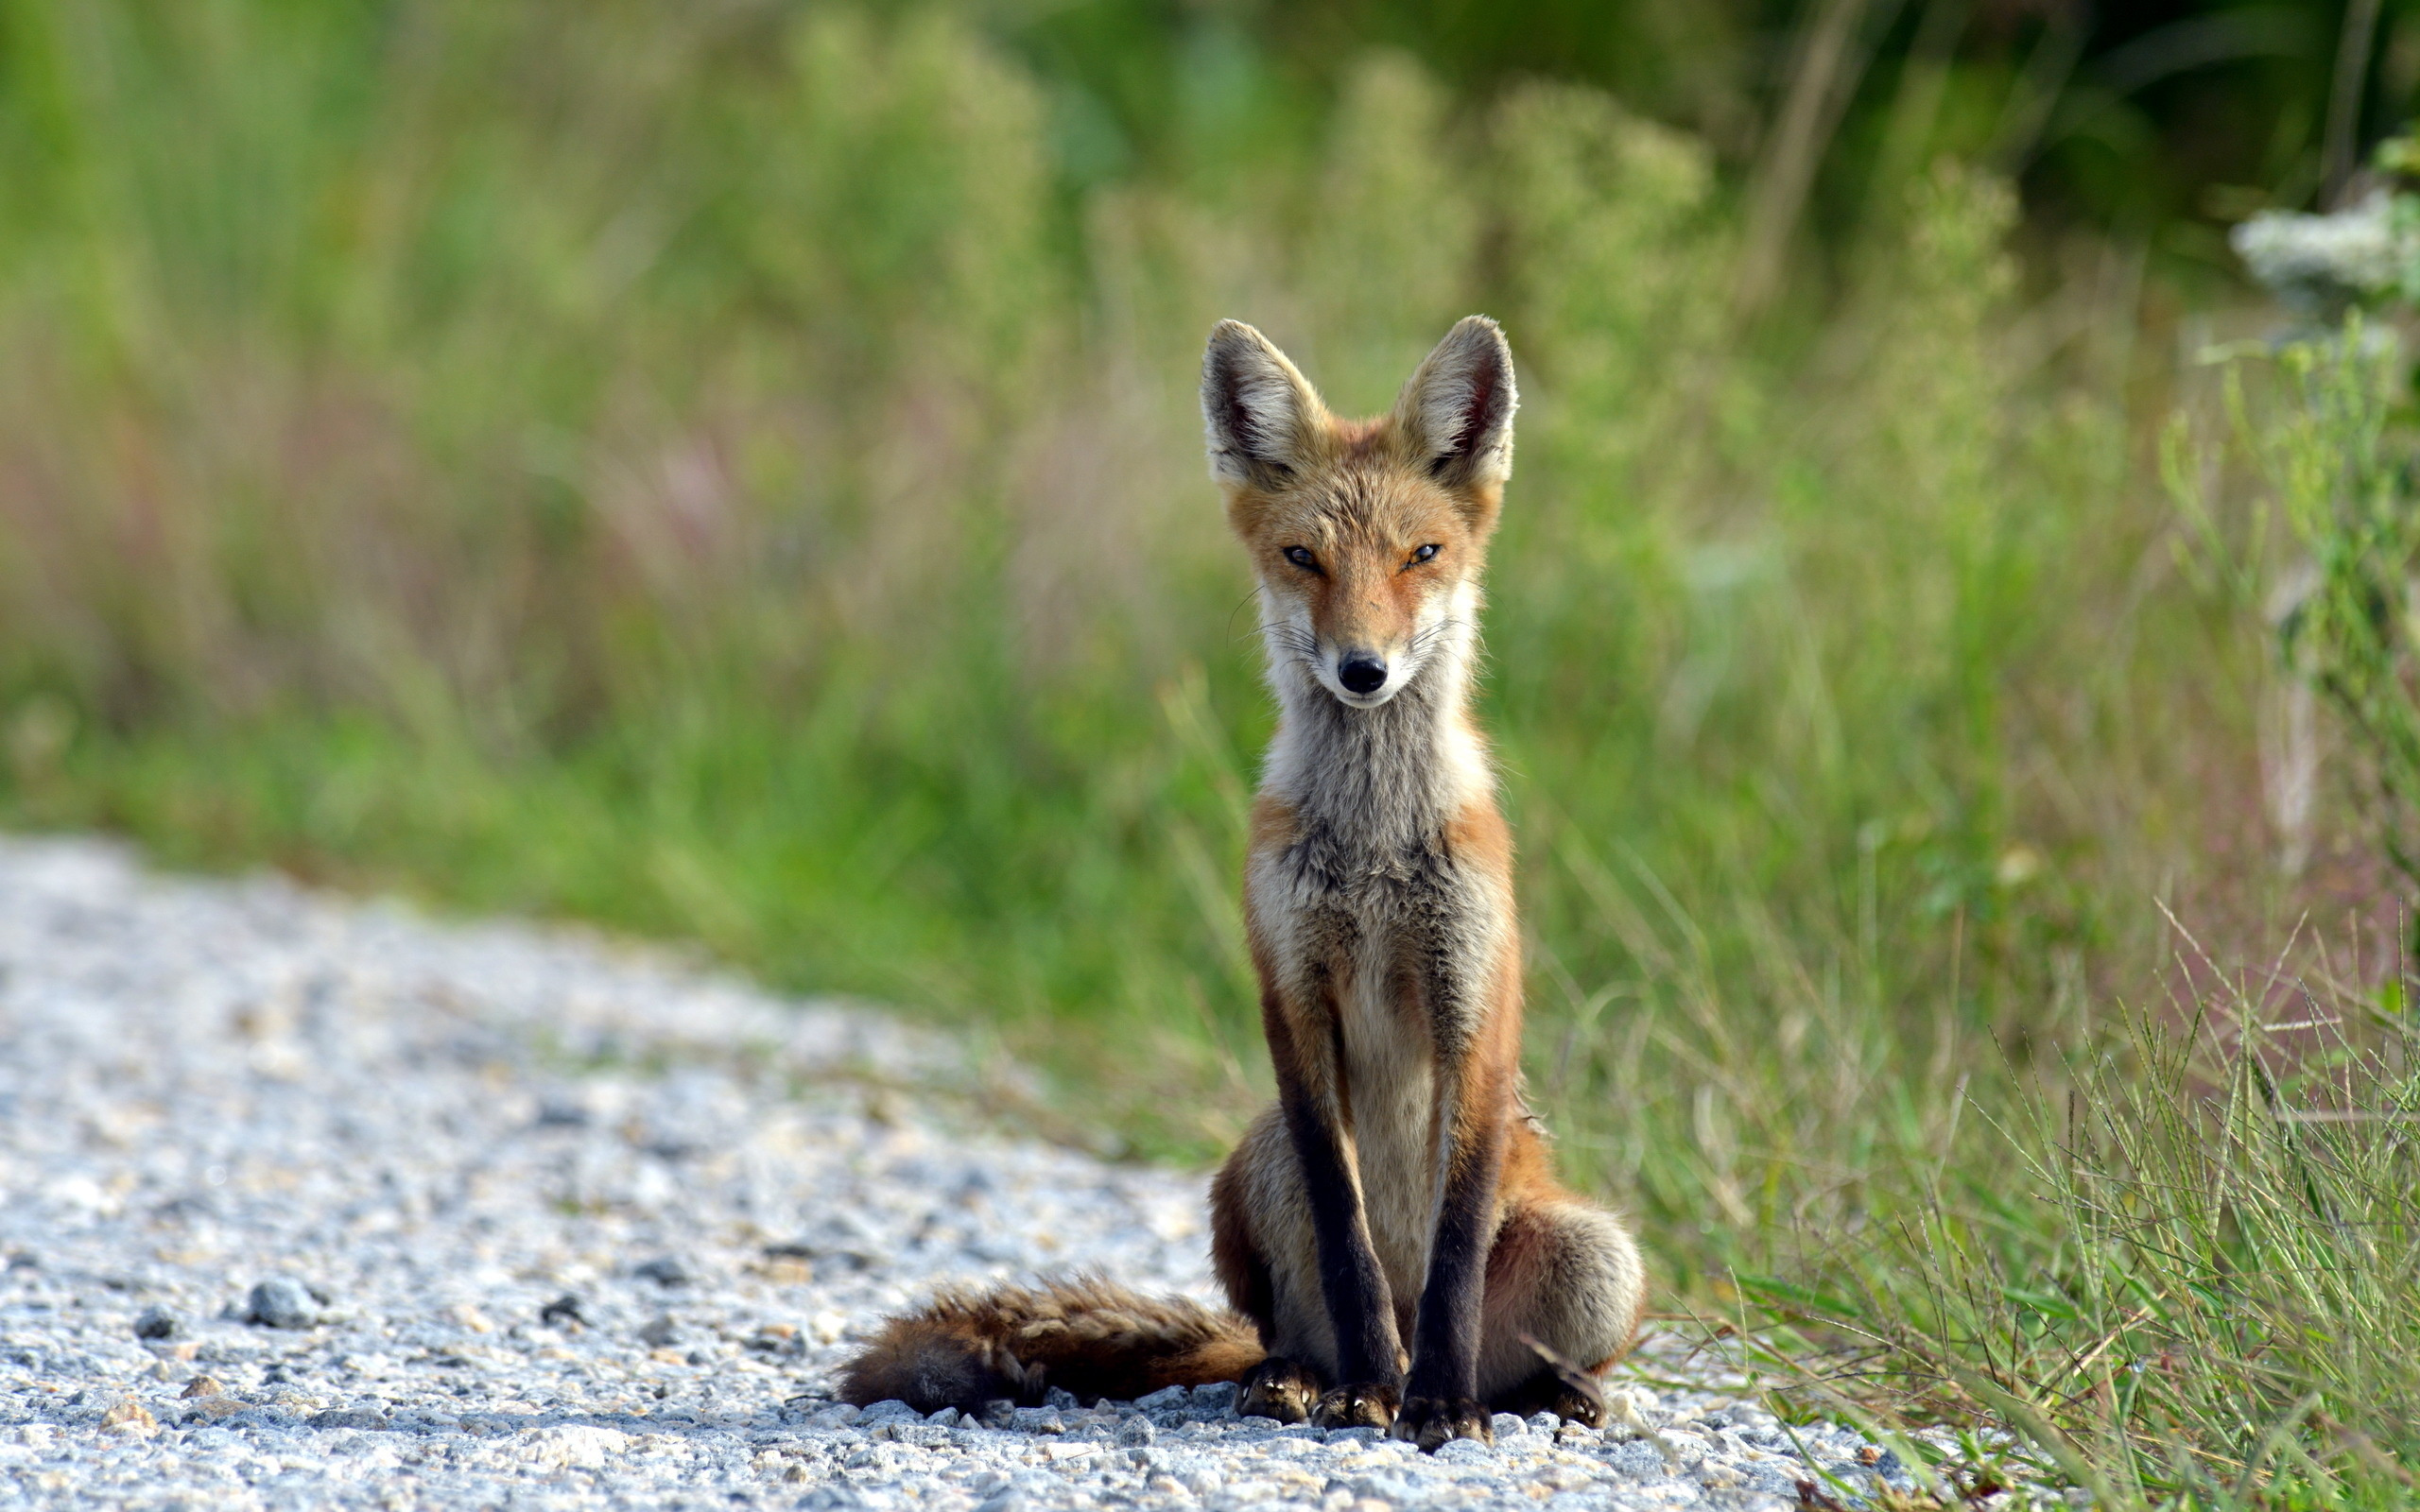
1278, 1388
1432, 1422
1365, 1406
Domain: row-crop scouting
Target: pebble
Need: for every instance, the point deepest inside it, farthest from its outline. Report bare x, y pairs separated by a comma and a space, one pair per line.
281, 1303
524, 1162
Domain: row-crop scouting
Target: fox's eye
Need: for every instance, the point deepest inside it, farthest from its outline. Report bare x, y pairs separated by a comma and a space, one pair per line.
1425, 553
1299, 556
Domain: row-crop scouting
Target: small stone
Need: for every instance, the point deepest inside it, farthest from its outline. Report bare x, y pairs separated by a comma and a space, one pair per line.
202, 1386
883, 1413
1868, 1454
1462, 1451
1219, 1396
780, 1339
129, 1416
1008, 1500
158, 1323
1037, 1420
347, 1418
563, 1313
1721, 1474
1061, 1397
1167, 1398
209, 1409
1506, 1425
281, 1303
946, 1417
1544, 1422
664, 1271
660, 1333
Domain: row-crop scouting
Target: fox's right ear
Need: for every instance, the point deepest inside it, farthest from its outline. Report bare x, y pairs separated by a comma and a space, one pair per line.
1260, 417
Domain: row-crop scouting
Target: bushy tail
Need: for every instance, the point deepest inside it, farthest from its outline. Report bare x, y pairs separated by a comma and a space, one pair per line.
965, 1348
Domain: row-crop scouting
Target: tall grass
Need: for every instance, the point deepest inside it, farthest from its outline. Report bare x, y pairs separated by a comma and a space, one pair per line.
705, 470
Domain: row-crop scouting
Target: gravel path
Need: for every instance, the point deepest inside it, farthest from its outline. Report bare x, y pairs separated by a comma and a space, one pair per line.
309, 1203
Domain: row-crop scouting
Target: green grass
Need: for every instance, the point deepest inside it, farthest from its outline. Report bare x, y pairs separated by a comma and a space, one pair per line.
713, 475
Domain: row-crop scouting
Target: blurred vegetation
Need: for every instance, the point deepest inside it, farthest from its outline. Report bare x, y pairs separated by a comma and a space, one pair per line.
732, 473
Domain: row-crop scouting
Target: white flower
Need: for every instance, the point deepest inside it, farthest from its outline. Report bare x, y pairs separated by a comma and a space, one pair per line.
2323, 260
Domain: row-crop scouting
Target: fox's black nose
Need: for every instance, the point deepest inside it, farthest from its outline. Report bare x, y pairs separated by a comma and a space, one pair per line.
1361, 672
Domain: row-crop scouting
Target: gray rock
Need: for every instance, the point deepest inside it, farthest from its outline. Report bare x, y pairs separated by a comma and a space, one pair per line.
158, 1324
281, 1302
664, 1271
661, 1333
347, 1418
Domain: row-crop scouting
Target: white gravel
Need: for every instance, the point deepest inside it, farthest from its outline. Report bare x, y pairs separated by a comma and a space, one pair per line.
404, 1140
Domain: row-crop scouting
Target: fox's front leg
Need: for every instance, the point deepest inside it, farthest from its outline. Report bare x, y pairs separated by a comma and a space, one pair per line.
1441, 1398
1368, 1387
1469, 984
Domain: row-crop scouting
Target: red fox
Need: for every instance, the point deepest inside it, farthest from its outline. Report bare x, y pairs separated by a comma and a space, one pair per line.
1390, 1236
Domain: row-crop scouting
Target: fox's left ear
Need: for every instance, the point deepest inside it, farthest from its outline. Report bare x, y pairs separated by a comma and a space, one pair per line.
1458, 409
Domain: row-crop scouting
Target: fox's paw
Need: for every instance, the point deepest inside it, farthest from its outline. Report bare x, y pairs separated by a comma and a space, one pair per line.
1586, 1408
1368, 1406
1278, 1388
1432, 1422
1575, 1397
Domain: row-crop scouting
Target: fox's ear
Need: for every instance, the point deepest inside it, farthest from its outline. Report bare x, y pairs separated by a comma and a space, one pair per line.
1458, 409
1261, 418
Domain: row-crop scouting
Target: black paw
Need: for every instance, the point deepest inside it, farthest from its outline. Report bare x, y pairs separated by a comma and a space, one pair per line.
1431, 1421
1368, 1406
1278, 1388
1586, 1408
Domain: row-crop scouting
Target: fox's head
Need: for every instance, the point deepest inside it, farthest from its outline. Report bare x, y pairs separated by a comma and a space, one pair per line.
1368, 535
